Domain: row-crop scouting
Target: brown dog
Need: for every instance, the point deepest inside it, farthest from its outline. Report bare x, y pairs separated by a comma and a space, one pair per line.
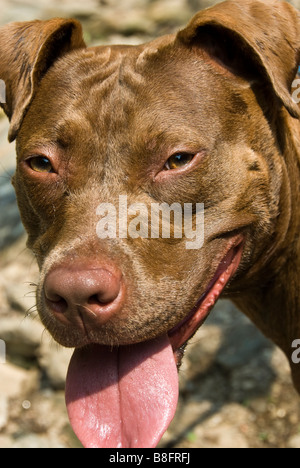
204, 116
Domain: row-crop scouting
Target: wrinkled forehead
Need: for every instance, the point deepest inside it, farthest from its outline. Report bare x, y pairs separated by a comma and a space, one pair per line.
149, 90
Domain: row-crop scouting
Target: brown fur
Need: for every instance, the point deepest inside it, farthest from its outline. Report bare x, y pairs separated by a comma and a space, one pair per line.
111, 116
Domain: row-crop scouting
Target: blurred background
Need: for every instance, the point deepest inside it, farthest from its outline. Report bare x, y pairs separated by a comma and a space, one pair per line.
235, 385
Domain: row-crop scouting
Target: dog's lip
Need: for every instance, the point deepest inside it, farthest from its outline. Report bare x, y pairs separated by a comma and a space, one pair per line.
184, 330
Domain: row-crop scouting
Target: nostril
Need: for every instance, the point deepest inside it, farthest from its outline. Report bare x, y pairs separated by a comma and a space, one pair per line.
58, 304
97, 299
104, 297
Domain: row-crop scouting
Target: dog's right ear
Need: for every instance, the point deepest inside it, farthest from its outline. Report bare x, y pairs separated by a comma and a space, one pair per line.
27, 51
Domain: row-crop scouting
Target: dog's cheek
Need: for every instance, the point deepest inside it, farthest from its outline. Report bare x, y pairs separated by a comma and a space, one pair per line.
43, 198
30, 219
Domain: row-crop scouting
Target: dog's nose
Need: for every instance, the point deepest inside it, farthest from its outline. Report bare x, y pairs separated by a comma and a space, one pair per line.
78, 294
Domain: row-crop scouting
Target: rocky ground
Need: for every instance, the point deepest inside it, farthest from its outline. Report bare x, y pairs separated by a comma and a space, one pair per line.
235, 386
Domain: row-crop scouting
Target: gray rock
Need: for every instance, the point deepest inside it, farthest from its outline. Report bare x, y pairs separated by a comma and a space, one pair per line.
295, 3
16, 382
3, 411
250, 380
32, 441
22, 336
294, 441
54, 360
170, 12
5, 441
10, 223
240, 343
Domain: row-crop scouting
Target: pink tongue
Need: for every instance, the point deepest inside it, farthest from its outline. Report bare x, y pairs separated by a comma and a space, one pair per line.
122, 397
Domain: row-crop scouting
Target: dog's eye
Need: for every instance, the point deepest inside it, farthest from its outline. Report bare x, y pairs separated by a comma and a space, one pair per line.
40, 164
178, 160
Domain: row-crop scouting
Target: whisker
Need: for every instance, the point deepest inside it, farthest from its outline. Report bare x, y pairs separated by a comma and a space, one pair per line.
89, 310
30, 292
30, 311
30, 283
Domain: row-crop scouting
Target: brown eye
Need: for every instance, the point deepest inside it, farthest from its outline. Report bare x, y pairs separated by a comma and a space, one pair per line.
179, 160
40, 164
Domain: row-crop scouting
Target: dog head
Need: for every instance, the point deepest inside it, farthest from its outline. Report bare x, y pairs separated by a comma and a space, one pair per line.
150, 180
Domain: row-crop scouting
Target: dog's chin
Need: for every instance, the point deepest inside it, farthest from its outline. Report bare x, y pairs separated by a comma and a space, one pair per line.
121, 334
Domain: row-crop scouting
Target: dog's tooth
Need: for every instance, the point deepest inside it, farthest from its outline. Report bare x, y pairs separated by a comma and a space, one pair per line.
222, 280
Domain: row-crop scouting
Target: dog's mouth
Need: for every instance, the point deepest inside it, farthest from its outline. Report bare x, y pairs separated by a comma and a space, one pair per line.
125, 397
180, 334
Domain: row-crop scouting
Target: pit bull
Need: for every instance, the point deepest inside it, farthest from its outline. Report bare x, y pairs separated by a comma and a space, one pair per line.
205, 116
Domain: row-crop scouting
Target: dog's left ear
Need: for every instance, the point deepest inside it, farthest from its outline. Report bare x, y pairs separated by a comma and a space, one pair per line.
27, 51
254, 37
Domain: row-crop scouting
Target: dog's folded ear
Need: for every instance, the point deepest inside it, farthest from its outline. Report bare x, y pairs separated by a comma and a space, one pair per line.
253, 38
27, 51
